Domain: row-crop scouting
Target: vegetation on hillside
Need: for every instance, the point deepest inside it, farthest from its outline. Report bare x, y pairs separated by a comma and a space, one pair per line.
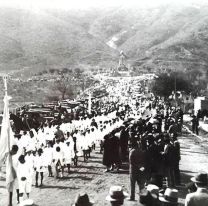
166, 85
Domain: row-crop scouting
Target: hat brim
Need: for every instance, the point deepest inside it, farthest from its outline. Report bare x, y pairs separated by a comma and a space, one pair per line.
193, 179
162, 199
89, 204
27, 202
109, 198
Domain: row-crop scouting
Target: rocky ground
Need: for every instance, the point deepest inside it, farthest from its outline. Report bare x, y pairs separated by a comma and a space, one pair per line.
90, 177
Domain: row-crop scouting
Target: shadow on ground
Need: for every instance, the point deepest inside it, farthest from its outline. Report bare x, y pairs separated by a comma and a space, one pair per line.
58, 187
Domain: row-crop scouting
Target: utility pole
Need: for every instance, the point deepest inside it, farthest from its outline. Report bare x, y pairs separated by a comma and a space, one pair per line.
175, 88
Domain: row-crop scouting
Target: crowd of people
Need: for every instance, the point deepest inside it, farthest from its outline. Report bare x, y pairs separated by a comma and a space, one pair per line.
53, 148
141, 132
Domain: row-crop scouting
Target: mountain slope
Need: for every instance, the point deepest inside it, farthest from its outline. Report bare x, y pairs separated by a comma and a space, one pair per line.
169, 36
42, 40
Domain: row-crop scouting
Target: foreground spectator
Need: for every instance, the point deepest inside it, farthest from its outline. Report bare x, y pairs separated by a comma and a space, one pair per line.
170, 197
137, 164
116, 196
83, 200
149, 197
200, 197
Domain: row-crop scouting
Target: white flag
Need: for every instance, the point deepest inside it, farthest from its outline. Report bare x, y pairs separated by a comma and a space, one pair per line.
6, 142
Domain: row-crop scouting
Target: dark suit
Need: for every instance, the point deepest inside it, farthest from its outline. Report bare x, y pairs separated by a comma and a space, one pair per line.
137, 159
198, 198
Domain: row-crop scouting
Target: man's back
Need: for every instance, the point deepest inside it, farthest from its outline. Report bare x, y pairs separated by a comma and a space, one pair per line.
198, 198
136, 160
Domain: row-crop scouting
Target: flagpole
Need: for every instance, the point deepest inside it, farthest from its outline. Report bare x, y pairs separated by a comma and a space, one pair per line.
10, 193
5, 84
6, 102
89, 103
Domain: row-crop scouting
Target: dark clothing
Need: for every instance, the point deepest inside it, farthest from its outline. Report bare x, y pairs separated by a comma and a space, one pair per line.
107, 152
137, 160
153, 158
140, 180
59, 134
94, 124
169, 163
177, 160
124, 136
115, 150
195, 124
173, 129
169, 155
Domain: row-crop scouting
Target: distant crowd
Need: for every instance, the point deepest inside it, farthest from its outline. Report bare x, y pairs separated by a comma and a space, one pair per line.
144, 134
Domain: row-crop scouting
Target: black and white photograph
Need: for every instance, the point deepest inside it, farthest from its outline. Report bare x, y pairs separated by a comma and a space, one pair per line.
103, 102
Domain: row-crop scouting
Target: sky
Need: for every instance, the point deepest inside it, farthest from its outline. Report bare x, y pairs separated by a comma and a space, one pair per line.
85, 4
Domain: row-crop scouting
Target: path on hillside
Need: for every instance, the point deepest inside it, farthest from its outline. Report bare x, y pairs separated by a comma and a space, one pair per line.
90, 177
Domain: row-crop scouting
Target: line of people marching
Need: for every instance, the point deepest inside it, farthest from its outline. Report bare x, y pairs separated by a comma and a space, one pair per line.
152, 145
56, 147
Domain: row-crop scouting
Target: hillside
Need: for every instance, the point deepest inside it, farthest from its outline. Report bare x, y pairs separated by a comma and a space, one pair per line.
37, 41
155, 39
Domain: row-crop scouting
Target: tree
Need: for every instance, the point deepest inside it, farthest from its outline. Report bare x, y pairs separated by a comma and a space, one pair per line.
52, 71
78, 73
65, 86
52, 98
165, 84
64, 70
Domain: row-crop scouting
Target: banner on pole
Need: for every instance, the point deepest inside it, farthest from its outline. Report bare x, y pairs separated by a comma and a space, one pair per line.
6, 142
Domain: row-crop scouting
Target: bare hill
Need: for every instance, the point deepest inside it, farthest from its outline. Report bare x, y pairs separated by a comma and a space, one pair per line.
43, 40
168, 36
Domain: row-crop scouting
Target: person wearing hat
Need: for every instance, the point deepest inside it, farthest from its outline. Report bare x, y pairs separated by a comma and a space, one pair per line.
200, 197
191, 187
169, 156
195, 124
124, 137
169, 198
146, 198
149, 196
116, 195
107, 152
153, 189
137, 166
83, 200
59, 133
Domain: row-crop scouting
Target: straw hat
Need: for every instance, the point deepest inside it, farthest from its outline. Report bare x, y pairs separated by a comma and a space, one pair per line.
200, 178
170, 196
116, 193
153, 189
27, 202
83, 200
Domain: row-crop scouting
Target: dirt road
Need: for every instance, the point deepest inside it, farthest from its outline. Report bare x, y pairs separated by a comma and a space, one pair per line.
90, 177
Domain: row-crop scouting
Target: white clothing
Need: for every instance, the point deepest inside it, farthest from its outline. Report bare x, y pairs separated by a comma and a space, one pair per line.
23, 171
40, 163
